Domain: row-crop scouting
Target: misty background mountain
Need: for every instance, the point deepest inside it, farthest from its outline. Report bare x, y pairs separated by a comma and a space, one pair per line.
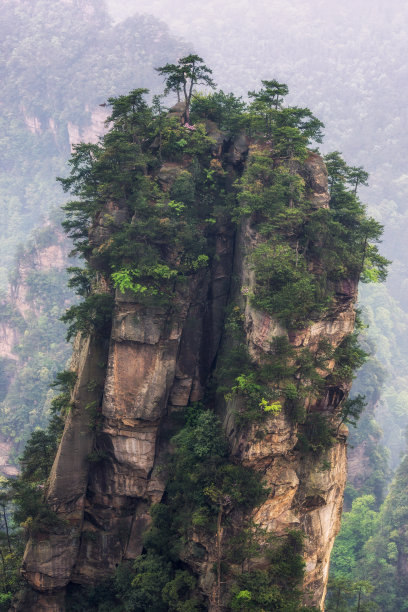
346, 62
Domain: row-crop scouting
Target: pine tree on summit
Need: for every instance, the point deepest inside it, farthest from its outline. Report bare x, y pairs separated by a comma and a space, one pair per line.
183, 76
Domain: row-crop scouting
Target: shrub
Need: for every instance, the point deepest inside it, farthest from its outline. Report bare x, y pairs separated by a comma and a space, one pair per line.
93, 315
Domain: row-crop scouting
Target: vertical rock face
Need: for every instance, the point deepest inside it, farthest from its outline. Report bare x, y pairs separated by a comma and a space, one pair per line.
107, 473
306, 491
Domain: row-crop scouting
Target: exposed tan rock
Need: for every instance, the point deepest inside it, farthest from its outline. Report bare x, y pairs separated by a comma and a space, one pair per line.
49, 557
8, 339
91, 132
306, 492
5, 467
315, 173
158, 361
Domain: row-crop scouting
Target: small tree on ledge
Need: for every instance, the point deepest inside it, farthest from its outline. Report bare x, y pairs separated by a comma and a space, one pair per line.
182, 77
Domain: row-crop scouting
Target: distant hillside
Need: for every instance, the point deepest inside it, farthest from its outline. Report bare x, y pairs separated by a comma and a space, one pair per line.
60, 61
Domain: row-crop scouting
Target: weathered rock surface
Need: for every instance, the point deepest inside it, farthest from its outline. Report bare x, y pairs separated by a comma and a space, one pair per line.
306, 491
157, 361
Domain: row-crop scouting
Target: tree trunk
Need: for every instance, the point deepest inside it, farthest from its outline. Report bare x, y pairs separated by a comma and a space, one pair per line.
359, 600
338, 598
7, 529
4, 570
186, 113
219, 537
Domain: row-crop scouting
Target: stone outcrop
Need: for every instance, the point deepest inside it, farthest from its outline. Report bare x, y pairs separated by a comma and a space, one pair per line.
108, 470
306, 492
90, 132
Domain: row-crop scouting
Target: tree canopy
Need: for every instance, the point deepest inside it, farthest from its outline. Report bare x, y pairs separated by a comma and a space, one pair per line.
183, 76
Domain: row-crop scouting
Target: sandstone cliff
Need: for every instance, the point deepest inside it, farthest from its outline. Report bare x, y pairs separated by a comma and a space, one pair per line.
130, 389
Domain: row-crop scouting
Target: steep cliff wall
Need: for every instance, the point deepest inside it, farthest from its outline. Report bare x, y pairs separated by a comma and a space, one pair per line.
306, 490
133, 385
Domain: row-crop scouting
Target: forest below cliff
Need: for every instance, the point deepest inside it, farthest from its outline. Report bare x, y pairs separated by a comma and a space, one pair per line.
83, 63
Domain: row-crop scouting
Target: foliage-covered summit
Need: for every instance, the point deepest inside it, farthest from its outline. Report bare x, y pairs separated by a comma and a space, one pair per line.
163, 236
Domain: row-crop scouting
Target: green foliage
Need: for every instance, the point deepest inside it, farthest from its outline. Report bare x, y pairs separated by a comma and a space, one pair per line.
272, 94
65, 381
38, 455
159, 240
22, 498
146, 226
204, 489
356, 235
126, 279
173, 592
11, 549
80, 280
39, 349
92, 316
68, 24
349, 357
100, 598
202, 483
31, 511
344, 594
273, 408
275, 588
151, 574
183, 76
178, 140
341, 174
284, 287
385, 552
317, 434
239, 376
79, 62
289, 130
306, 250
369, 544
201, 457
352, 409
6, 375
226, 110
285, 378
27, 490
357, 527
150, 583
